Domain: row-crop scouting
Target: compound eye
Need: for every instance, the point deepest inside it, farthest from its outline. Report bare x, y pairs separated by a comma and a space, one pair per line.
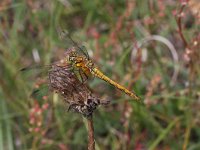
71, 58
72, 54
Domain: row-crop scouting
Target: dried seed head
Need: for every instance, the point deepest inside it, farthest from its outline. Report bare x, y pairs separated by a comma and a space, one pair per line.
64, 81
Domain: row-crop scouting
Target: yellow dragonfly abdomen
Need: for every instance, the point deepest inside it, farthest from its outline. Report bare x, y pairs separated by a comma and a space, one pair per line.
97, 73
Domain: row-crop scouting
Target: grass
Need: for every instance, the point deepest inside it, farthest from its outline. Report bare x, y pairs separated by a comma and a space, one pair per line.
111, 31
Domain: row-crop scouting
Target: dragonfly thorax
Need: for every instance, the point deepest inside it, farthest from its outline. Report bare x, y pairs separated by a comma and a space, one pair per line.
81, 62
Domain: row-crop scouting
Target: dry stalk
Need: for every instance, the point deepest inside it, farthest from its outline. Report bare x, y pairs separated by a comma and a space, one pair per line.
91, 141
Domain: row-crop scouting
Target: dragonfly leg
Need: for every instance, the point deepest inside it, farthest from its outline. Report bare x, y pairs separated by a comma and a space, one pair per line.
83, 80
81, 75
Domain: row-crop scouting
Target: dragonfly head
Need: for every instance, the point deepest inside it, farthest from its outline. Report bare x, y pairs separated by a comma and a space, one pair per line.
72, 56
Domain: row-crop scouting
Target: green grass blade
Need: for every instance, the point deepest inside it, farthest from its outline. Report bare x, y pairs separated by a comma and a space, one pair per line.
163, 134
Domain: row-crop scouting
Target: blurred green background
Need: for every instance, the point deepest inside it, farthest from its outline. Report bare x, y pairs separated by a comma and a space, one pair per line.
120, 37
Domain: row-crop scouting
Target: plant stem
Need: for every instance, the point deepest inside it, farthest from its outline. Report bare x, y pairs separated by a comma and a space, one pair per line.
91, 141
179, 23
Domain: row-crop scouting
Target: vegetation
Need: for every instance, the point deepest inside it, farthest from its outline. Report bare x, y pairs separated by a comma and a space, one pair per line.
151, 47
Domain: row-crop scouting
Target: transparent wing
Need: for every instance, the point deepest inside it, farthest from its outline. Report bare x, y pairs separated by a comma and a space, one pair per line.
37, 78
40, 92
33, 72
35, 67
84, 50
67, 38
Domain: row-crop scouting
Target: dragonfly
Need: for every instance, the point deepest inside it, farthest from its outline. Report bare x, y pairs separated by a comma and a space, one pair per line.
68, 76
78, 57
78, 61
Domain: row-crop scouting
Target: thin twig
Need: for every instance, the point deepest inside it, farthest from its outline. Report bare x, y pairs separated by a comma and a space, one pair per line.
91, 141
179, 23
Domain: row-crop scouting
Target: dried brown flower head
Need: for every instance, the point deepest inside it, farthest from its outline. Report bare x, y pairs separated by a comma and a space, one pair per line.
79, 97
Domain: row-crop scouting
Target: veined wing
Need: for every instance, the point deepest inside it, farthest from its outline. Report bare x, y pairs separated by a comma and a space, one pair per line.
66, 37
43, 71
37, 68
38, 75
45, 77
34, 73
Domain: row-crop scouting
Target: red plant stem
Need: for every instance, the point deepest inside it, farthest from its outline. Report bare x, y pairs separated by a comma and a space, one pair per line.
179, 23
91, 141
